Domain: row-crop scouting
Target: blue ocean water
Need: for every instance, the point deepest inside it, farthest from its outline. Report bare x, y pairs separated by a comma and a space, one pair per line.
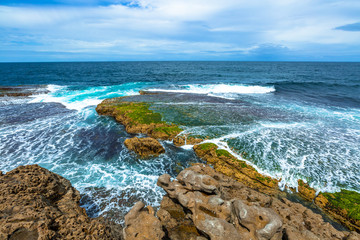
298, 120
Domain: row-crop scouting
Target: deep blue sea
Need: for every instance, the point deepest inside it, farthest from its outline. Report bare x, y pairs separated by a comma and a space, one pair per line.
298, 120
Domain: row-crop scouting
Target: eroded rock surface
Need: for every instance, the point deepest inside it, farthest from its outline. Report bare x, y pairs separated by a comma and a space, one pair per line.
140, 223
38, 204
144, 147
204, 204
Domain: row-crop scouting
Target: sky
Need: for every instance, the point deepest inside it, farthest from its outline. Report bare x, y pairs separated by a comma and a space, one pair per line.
121, 30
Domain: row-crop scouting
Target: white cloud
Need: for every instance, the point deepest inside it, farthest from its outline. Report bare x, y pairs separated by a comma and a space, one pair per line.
179, 26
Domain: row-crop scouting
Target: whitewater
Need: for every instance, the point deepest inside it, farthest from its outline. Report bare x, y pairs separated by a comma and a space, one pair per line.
294, 125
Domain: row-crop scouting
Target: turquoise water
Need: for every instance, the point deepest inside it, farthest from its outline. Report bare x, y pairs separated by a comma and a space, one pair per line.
294, 120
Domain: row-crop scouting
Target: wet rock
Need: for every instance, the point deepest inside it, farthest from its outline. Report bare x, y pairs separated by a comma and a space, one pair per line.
22, 91
186, 140
144, 147
343, 206
140, 223
228, 165
306, 191
38, 204
138, 118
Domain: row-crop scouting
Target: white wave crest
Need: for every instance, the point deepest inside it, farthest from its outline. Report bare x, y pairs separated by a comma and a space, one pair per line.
217, 89
80, 99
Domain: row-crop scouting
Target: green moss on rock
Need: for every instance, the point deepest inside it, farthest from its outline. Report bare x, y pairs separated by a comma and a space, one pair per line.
170, 129
223, 152
347, 200
208, 146
139, 113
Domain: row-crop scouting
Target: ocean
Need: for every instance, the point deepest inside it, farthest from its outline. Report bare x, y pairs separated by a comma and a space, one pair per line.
292, 119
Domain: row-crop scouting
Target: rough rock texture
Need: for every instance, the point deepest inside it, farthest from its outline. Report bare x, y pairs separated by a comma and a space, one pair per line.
204, 204
306, 191
38, 204
186, 140
140, 223
144, 147
228, 165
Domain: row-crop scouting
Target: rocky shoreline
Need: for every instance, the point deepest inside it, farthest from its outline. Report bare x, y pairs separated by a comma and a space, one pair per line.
200, 204
342, 206
229, 200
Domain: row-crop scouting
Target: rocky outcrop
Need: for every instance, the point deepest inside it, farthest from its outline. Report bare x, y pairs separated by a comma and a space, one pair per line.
138, 118
21, 91
228, 165
140, 223
186, 140
343, 206
38, 204
144, 147
204, 204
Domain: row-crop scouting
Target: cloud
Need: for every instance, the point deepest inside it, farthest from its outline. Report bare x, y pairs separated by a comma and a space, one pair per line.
354, 27
204, 29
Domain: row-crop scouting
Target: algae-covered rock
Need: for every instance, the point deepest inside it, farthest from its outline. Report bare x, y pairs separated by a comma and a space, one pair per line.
38, 204
343, 206
306, 191
138, 118
227, 164
144, 147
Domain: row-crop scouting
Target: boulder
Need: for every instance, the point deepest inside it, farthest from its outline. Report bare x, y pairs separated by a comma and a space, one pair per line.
140, 223
38, 204
144, 147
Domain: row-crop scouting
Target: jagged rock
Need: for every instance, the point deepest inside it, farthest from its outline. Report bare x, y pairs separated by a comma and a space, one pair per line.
306, 191
176, 221
220, 214
229, 165
186, 140
197, 182
264, 222
144, 147
215, 217
140, 223
38, 204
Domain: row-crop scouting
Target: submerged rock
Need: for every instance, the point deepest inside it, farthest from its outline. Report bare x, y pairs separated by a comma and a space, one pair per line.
144, 147
21, 91
38, 204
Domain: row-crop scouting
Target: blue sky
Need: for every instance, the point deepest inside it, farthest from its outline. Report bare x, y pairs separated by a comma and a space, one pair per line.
257, 30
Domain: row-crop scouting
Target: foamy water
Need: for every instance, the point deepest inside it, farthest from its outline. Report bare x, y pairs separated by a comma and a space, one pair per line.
291, 119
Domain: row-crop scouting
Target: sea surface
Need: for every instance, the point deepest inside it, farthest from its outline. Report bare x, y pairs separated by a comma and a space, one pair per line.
293, 120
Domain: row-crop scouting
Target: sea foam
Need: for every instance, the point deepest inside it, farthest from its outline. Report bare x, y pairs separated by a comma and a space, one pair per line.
218, 90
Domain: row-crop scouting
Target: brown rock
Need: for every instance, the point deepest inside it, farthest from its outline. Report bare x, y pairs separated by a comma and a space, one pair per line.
228, 165
38, 204
140, 223
212, 215
306, 191
144, 147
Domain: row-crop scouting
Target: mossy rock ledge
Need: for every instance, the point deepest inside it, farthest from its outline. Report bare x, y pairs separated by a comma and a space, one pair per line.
229, 165
138, 118
344, 206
